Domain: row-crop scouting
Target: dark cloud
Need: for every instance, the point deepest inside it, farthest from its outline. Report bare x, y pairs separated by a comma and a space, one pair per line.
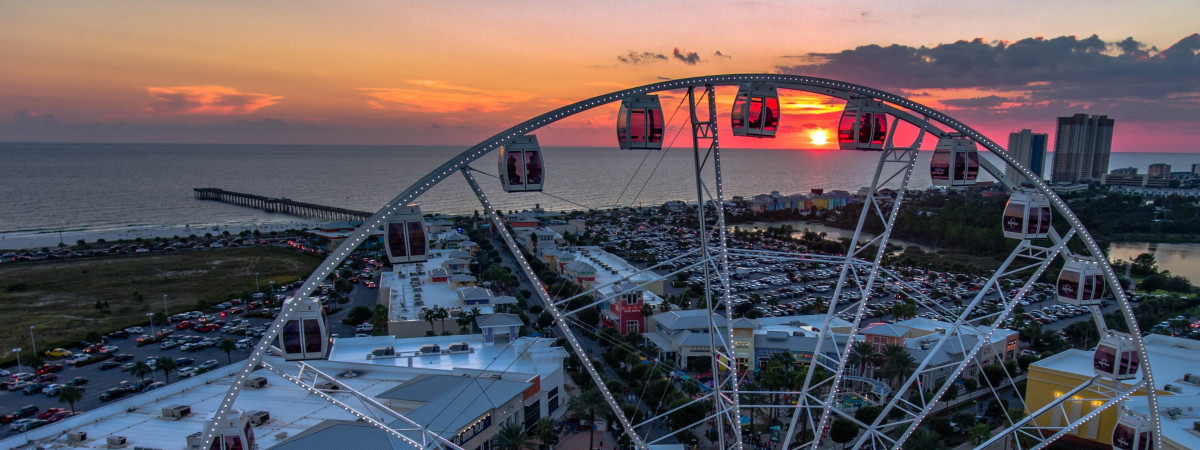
23, 118
721, 55
206, 100
991, 101
689, 58
1062, 68
642, 57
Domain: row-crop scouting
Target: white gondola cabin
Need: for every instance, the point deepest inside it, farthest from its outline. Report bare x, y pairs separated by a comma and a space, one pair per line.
1027, 215
234, 432
406, 240
521, 167
955, 161
1116, 358
305, 335
863, 125
1132, 433
1081, 282
640, 123
755, 110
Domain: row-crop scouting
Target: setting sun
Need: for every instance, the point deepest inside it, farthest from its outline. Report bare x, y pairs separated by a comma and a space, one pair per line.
818, 137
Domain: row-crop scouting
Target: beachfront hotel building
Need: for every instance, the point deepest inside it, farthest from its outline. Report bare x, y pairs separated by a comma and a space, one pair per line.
1029, 150
1176, 366
1082, 146
461, 387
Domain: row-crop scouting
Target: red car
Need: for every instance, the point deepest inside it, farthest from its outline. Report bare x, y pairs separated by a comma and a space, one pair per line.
205, 328
47, 377
50, 412
185, 325
59, 416
47, 368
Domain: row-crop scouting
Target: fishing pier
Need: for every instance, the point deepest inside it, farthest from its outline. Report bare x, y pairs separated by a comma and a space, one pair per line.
280, 205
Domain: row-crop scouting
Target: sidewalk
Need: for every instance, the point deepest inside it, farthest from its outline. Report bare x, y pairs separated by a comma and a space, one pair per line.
579, 441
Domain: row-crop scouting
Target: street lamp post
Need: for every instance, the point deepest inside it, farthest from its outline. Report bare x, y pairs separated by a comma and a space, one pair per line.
151, 316
18, 352
256, 288
31, 341
165, 313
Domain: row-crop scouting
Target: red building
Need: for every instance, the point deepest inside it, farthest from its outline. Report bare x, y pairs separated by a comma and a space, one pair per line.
624, 308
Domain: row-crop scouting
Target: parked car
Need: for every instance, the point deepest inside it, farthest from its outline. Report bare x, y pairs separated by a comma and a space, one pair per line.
188, 372
79, 358
47, 377
50, 412
33, 388
112, 394
153, 386
47, 368
59, 353
123, 357
184, 362
209, 365
26, 411
59, 416
77, 381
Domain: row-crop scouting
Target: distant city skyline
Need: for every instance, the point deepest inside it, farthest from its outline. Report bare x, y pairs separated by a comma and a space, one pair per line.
428, 74
1082, 148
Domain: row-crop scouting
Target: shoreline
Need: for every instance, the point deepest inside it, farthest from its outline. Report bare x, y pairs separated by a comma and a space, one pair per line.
52, 239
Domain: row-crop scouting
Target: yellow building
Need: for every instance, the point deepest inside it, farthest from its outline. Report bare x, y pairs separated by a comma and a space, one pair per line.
1175, 363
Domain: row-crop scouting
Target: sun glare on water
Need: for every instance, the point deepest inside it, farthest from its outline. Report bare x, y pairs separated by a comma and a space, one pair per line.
818, 137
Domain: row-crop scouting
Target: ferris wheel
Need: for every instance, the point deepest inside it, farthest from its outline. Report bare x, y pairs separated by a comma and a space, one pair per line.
833, 374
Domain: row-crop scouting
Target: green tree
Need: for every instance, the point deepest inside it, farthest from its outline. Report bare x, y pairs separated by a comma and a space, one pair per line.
979, 433
861, 353
514, 437
69, 395
588, 403
543, 431
843, 431
898, 364
357, 315
227, 346
140, 369
924, 439
166, 365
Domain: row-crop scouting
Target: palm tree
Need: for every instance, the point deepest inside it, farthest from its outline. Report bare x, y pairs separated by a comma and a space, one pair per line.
860, 355
588, 403
166, 365
897, 363
979, 433
924, 439
514, 437
543, 430
140, 369
227, 346
430, 314
69, 395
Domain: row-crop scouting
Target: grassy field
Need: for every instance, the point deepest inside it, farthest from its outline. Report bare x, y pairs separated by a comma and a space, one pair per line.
59, 298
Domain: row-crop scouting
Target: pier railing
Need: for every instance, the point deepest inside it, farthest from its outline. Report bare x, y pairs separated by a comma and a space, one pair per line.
280, 205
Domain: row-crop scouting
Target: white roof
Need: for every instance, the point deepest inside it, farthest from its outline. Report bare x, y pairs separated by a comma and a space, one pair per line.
520, 356
402, 298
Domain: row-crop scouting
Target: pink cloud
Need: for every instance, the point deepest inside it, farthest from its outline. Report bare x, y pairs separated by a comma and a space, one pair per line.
433, 96
212, 100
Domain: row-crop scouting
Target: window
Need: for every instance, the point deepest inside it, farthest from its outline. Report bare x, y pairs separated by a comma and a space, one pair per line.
631, 299
291, 336
312, 336
631, 326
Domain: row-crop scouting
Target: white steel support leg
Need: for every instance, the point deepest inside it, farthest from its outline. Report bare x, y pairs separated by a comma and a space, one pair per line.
725, 403
560, 319
908, 158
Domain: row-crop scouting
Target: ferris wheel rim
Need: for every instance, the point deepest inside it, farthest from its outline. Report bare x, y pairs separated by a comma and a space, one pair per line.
822, 86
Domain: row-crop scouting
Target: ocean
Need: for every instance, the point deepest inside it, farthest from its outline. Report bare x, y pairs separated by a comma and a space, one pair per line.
113, 187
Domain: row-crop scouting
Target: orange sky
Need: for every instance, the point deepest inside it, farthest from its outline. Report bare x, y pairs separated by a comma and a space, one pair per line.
456, 72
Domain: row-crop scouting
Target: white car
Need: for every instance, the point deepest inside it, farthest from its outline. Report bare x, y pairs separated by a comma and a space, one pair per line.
188, 372
134, 330
364, 327
79, 358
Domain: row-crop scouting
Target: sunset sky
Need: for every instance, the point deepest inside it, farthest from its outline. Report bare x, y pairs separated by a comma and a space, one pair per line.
456, 72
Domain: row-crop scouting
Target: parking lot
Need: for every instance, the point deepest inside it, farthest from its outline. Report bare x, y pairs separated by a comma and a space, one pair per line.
184, 342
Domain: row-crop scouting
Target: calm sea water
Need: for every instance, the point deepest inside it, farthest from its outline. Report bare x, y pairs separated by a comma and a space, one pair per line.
52, 187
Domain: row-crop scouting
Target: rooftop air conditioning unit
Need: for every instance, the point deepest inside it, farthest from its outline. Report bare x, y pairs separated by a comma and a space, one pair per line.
255, 383
116, 441
431, 348
1196, 426
1191, 378
193, 440
76, 436
382, 352
326, 386
176, 412
1172, 388
259, 417
460, 347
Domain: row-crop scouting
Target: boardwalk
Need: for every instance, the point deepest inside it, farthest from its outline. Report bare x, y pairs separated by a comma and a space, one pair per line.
280, 205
